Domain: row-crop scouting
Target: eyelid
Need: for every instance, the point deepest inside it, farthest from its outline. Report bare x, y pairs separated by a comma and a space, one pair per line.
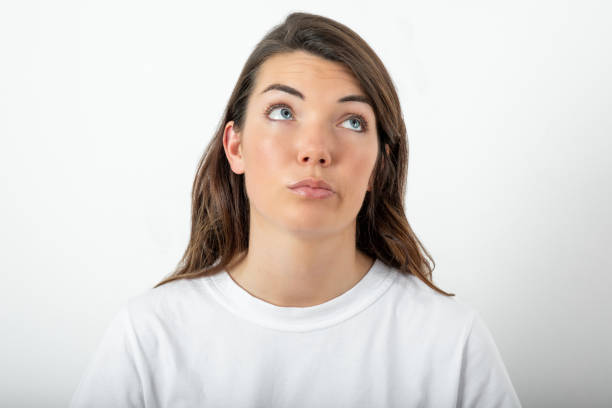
361, 118
364, 122
273, 106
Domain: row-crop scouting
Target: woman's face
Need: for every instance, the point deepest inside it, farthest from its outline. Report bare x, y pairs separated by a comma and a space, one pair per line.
287, 137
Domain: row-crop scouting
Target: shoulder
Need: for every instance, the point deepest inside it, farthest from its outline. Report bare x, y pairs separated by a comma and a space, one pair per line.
169, 302
419, 301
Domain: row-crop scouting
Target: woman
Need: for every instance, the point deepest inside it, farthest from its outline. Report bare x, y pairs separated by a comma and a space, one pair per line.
303, 283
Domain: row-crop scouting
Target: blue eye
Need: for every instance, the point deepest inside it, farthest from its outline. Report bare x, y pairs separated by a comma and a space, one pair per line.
285, 113
358, 122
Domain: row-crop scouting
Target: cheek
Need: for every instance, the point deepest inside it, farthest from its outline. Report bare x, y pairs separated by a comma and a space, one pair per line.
266, 156
265, 162
362, 161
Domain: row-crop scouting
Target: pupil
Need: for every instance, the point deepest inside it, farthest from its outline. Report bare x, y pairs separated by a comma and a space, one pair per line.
286, 111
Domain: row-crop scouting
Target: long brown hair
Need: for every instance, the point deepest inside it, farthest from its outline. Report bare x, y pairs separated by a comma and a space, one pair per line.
220, 206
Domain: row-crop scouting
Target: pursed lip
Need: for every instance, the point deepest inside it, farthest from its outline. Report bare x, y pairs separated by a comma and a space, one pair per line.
312, 183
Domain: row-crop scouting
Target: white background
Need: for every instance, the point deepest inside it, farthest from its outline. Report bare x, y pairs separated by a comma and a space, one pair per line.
106, 107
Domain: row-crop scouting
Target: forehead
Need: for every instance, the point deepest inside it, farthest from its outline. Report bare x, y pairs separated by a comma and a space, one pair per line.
300, 67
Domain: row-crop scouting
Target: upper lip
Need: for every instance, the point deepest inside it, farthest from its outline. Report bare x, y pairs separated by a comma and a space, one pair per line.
312, 183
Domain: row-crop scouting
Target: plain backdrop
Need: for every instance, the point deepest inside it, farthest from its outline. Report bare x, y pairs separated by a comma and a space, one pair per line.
106, 108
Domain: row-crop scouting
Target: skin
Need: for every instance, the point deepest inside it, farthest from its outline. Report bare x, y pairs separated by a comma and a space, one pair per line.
302, 251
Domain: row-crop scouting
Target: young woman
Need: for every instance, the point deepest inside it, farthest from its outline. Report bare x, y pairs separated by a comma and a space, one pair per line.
303, 284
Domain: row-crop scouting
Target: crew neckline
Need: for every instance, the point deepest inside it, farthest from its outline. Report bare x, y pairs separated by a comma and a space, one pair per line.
293, 318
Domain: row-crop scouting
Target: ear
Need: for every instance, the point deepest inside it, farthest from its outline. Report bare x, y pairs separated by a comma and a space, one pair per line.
232, 144
382, 166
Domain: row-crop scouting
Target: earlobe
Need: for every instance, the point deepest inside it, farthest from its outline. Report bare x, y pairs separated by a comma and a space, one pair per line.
233, 148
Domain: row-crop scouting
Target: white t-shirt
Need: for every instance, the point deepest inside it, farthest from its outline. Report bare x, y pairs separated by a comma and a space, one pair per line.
389, 341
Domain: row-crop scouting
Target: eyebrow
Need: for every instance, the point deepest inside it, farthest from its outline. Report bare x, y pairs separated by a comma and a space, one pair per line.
295, 92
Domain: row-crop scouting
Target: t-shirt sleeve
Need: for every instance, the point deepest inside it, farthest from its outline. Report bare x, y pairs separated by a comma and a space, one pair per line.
484, 380
112, 379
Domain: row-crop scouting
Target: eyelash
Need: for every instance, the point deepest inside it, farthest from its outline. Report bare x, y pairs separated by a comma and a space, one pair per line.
364, 123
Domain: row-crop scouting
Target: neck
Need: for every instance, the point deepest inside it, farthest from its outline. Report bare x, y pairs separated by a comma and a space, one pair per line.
293, 270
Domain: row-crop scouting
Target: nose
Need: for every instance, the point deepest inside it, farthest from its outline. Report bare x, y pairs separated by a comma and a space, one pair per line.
314, 150
314, 156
